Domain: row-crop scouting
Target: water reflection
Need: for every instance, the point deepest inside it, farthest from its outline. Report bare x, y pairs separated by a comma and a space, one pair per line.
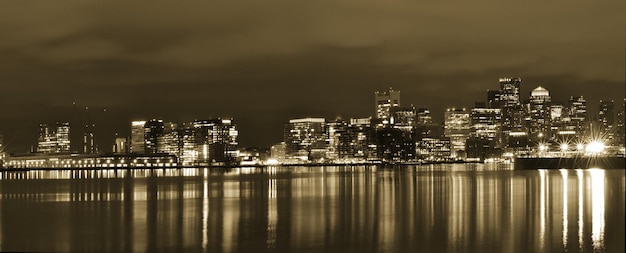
437, 208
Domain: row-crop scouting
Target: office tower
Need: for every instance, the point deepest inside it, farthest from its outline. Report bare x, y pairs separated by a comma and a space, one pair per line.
540, 114
339, 138
169, 141
619, 134
510, 104
485, 132
189, 146
306, 138
54, 139
577, 114
215, 140
137, 137
457, 129
153, 129
384, 101
433, 149
277, 152
606, 120
363, 142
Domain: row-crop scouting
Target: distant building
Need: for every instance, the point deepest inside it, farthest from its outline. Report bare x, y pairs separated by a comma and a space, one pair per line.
363, 139
54, 139
306, 138
510, 105
278, 152
121, 146
216, 140
484, 141
619, 134
169, 141
433, 149
383, 102
606, 120
457, 126
137, 137
577, 114
153, 130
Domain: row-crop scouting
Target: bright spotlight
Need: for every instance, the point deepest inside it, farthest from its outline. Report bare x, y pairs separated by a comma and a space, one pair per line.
542, 147
595, 147
580, 146
564, 147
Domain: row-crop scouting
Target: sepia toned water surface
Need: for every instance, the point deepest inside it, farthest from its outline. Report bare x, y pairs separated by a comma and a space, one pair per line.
435, 208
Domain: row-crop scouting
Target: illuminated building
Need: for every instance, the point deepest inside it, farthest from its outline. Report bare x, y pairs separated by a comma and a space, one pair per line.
510, 105
606, 120
577, 114
433, 149
339, 139
188, 153
121, 146
278, 152
215, 140
54, 140
424, 126
395, 145
137, 137
169, 142
619, 134
484, 141
384, 101
306, 138
457, 129
153, 129
493, 99
362, 145
540, 113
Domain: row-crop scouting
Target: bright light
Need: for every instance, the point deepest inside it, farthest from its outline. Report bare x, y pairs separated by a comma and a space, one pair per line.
564, 147
271, 162
542, 147
580, 146
595, 147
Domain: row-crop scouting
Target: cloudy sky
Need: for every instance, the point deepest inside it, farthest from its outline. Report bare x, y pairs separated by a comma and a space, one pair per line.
265, 62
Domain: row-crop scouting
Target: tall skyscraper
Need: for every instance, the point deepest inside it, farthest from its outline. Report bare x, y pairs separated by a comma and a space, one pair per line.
606, 119
619, 134
540, 112
510, 104
306, 138
137, 137
457, 129
384, 101
216, 140
153, 129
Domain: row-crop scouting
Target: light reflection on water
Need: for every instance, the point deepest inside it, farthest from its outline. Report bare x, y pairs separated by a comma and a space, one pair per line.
436, 208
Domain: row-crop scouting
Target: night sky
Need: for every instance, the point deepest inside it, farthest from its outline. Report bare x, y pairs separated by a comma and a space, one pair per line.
265, 62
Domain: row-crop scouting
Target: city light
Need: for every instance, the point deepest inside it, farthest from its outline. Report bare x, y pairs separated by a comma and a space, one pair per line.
595, 147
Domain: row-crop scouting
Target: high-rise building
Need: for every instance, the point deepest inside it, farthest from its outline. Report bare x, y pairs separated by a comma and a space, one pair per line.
457, 129
577, 114
484, 141
540, 114
121, 146
54, 139
215, 140
606, 120
384, 101
363, 144
153, 129
137, 137
339, 139
306, 138
169, 141
512, 113
619, 134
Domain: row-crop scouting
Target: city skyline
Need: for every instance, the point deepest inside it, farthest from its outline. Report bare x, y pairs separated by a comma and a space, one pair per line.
266, 63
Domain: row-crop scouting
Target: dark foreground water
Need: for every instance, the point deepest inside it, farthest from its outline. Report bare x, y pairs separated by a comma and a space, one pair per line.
445, 208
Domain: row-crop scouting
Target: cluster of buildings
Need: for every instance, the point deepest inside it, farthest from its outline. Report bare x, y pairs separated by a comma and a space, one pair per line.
503, 126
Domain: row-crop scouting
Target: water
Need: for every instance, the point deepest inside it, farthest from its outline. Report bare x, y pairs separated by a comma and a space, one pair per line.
439, 208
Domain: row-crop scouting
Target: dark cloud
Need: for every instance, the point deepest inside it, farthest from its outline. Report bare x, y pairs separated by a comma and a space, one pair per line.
266, 62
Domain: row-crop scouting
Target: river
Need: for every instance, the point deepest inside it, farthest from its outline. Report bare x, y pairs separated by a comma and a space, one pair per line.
433, 208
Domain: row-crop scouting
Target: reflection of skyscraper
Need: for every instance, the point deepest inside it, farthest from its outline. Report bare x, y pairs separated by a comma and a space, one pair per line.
457, 128
137, 138
384, 101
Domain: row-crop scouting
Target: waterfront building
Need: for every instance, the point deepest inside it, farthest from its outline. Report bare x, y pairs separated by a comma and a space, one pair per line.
54, 139
137, 137
485, 132
363, 142
619, 134
216, 140
169, 141
433, 149
121, 146
395, 145
278, 152
383, 102
339, 139
153, 129
457, 129
305, 138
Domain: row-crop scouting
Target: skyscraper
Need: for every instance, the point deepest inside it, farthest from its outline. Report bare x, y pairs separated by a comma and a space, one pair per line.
153, 129
384, 100
54, 139
606, 119
577, 113
137, 137
306, 138
457, 128
540, 113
